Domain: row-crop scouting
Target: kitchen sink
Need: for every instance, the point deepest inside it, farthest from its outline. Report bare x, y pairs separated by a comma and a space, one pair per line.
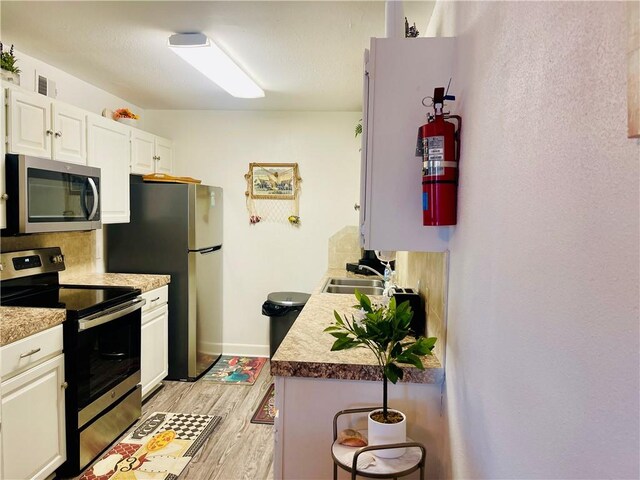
363, 285
352, 288
349, 286
364, 282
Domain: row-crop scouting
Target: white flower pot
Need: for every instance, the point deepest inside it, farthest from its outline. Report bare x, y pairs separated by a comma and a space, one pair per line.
10, 77
386, 433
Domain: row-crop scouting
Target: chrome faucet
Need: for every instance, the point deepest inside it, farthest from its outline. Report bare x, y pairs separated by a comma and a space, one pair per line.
366, 267
388, 278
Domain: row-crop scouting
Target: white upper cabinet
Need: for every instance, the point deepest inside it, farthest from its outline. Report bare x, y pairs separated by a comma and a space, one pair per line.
150, 153
69, 133
108, 149
41, 127
28, 124
164, 155
399, 73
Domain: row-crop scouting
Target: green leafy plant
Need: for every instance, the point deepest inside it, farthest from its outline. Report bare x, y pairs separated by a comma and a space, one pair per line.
385, 330
8, 60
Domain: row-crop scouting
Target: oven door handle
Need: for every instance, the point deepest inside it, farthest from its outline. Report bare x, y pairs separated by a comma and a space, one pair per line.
111, 314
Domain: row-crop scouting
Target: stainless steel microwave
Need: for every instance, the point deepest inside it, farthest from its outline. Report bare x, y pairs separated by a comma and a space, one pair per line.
49, 196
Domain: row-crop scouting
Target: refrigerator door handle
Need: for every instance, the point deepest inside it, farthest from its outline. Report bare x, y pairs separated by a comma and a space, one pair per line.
204, 251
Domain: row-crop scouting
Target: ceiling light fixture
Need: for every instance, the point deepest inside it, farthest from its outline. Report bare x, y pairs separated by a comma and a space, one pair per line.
204, 55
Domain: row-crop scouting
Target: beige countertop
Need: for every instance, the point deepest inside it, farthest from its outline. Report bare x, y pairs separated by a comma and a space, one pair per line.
17, 323
143, 281
306, 350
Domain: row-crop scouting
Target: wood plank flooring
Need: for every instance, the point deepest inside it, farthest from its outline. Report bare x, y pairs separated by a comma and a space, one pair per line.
237, 449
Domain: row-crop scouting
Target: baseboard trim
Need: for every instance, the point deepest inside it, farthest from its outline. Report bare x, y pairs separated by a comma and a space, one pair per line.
245, 349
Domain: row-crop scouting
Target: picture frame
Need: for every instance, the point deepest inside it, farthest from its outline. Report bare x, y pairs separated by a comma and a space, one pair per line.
273, 181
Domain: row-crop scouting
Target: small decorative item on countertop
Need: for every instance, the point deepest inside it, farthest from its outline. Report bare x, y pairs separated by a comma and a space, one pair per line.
351, 438
163, 177
9, 71
126, 116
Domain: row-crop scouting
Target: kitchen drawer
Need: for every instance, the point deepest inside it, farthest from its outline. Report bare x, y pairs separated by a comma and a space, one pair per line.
30, 351
155, 298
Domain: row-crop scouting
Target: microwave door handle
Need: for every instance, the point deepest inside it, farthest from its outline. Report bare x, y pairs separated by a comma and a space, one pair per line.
92, 184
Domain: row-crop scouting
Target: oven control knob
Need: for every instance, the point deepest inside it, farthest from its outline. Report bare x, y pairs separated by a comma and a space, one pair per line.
55, 259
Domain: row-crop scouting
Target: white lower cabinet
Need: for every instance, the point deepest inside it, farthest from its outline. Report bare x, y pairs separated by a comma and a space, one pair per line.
154, 361
33, 421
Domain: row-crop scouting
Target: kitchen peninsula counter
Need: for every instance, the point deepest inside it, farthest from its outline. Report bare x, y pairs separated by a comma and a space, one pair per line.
143, 281
20, 322
312, 384
306, 350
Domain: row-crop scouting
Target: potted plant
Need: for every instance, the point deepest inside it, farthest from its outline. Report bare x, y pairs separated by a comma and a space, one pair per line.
8, 67
385, 330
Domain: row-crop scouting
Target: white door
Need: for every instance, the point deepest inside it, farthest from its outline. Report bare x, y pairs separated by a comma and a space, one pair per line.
142, 152
164, 155
108, 149
29, 124
154, 361
33, 427
70, 133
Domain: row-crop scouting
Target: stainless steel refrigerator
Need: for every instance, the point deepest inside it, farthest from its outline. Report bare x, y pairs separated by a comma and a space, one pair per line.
176, 229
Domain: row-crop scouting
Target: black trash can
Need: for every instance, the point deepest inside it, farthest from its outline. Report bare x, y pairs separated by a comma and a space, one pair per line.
282, 308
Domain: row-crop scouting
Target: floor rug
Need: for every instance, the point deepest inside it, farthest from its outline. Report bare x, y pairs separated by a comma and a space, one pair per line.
159, 448
236, 370
266, 411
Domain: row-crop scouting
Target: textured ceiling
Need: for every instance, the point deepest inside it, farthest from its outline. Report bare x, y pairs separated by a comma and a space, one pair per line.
306, 55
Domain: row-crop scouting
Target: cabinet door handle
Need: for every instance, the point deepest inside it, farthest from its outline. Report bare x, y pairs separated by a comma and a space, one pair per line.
58, 134
28, 354
49, 132
4, 196
64, 385
356, 207
155, 299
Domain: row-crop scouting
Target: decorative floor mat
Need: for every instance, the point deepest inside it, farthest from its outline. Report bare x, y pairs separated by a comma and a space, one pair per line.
159, 448
266, 411
235, 370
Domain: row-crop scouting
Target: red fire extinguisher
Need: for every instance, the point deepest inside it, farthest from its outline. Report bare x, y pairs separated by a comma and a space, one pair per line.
439, 147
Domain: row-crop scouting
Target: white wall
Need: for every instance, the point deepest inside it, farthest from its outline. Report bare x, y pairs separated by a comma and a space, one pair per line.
543, 340
70, 89
217, 148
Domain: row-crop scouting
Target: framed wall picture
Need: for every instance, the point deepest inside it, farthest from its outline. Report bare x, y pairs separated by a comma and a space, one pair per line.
273, 180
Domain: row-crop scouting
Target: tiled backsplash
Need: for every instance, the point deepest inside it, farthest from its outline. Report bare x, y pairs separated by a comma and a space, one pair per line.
344, 247
427, 272
424, 271
78, 248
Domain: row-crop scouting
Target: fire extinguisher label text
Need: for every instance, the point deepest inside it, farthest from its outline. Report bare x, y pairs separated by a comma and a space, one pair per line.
433, 152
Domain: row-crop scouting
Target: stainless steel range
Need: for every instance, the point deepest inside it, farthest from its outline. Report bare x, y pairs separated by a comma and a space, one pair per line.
101, 349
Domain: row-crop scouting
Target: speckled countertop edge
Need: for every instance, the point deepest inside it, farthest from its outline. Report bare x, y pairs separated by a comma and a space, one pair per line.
306, 350
17, 323
143, 281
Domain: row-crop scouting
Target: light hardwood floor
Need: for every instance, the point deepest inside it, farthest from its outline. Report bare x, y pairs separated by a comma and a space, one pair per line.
237, 449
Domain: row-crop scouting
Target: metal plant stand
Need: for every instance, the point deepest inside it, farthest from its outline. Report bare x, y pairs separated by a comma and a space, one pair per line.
347, 457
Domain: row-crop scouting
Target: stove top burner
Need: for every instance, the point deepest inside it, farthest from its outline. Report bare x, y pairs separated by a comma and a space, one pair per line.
78, 301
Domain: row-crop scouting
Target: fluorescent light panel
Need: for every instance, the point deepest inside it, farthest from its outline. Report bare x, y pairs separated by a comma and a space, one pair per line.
204, 55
